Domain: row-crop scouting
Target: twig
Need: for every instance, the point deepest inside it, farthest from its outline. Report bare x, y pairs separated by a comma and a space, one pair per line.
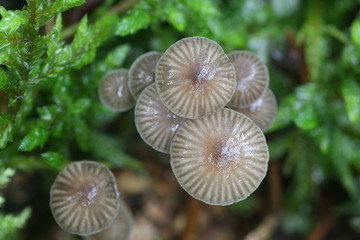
321, 229
123, 6
119, 8
48, 27
265, 229
69, 31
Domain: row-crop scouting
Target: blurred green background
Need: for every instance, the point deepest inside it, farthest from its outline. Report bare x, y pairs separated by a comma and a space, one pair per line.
51, 114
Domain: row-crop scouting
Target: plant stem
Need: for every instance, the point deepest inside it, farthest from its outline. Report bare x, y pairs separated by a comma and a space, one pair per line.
16, 97
117, 9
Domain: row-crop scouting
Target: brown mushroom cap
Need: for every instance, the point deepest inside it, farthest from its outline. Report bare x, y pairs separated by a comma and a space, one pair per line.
194, 77
219, 159
142, 72
114, 91
252, 78
84, 198
155, 123
121, 228
262, 111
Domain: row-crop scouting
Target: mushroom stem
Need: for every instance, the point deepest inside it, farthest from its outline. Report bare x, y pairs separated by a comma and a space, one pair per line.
192, 212
275, 185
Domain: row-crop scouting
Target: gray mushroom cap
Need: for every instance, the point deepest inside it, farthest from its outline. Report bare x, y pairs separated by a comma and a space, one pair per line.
252, 78
262, 111
142, 72
84, 198
155, 123
121, 228
219, 159
114, 92
194, 77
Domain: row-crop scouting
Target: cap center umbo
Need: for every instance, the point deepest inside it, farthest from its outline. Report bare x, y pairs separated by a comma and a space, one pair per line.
222, 154
88, 194
200, 74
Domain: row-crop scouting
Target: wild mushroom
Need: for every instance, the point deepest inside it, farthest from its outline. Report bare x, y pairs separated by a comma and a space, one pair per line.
194, 77
142, 72
121, 228
155, 123
262, 111
252, 78
84, 198
114, 91
219, 159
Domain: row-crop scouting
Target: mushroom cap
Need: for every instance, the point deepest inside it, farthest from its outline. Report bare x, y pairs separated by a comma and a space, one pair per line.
114, 91
219, 159
194, 77
84, 198
252, 78
262, 111
155, 123
121, 228
142, 72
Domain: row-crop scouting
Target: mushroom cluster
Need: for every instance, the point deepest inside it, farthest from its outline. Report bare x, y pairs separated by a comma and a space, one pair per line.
84, 200
252, 96
208, 110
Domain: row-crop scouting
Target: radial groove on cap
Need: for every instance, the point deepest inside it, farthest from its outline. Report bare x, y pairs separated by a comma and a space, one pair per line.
252, 78
262, 111
88, 201
154, 122
195, 78
142, 72
121, 229
219, 159
114, 92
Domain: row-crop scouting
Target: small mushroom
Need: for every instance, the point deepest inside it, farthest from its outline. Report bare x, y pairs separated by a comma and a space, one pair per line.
121, 228
84, 198
262, 111
219, 159
194, 77
252, 78
142, 72
114, 91
155, 123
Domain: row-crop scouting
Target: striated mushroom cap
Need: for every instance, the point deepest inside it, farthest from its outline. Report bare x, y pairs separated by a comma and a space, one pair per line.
262, 111
252, 78
155, 123
114, 91
121, 228
194, 77
84, 198
219, 159
142, 72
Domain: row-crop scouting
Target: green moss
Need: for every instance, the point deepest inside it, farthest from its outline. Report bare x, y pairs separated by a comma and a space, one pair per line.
53, 114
